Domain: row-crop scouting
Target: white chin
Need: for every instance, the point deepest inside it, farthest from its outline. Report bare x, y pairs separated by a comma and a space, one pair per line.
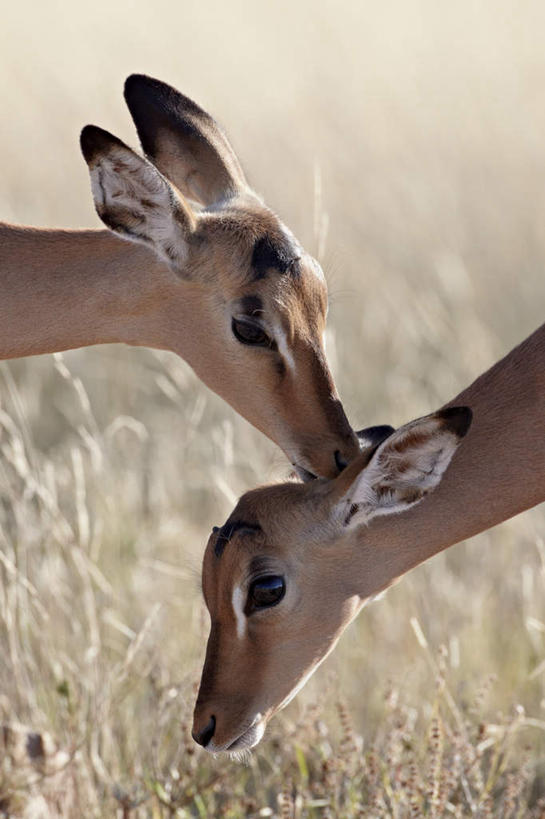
249, 739
245, 742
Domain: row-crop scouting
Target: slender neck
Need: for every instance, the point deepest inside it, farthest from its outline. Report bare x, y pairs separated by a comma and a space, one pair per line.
62, 289
498, 471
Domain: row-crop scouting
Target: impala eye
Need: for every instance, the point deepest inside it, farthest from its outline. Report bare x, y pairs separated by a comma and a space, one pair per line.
248, 332
265, 592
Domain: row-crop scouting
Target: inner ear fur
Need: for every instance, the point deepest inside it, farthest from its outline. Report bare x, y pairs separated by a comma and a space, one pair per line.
134, 199
401, 470
183, 141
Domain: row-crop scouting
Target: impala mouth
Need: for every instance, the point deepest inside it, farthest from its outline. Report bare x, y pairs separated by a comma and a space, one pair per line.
245, 741
249, 739
304, 474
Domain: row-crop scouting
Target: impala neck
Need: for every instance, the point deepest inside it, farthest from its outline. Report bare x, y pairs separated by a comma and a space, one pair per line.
62, 289
498, 471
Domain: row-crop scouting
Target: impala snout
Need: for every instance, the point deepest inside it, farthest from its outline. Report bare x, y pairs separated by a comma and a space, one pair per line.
247, 694
341, 453
329, 466
203, 735
225, 735
225, 717
348, 449
326, 455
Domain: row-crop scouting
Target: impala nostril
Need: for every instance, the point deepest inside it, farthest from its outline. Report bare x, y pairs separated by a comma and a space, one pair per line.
340, 462
203, 737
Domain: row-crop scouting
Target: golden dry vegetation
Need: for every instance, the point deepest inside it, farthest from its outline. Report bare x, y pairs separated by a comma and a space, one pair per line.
403, 142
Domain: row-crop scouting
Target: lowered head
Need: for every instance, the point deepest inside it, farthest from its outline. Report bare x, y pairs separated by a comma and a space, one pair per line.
283, 576
234, 292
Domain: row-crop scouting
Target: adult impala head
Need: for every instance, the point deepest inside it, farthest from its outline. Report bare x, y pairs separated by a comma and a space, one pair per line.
246, 305
283, 576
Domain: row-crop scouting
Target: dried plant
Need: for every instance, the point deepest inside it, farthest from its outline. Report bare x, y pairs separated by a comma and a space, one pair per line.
402, 142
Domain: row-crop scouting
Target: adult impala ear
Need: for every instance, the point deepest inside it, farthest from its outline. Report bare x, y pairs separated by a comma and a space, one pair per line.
183, 141
401, 470
134, 199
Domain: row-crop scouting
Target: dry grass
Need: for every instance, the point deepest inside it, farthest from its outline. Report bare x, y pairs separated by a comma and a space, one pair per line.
403, 143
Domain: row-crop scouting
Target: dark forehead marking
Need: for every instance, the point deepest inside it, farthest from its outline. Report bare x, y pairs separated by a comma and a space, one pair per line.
272, 252
251, 305
228, 530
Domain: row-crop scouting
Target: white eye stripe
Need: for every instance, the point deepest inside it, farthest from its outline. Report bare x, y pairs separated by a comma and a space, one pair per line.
237, 601
283, 347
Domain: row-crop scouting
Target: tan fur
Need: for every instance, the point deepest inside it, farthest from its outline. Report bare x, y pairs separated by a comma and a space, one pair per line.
65, 289
331, 570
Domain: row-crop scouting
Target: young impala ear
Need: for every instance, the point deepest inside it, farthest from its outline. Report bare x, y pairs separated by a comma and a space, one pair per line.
373, 436
133, 199
183, 141
404, 468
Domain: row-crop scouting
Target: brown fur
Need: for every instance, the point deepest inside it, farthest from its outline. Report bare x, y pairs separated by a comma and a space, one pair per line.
185, 142
330, 572
64, 289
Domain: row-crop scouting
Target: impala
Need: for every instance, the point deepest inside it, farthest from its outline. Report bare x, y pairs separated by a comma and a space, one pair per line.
209, 272
295, 563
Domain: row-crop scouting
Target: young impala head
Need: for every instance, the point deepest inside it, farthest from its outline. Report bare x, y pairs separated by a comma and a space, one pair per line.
246, 301
285, 575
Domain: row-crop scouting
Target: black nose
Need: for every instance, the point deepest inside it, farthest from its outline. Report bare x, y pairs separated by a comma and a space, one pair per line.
203, 737
340, 462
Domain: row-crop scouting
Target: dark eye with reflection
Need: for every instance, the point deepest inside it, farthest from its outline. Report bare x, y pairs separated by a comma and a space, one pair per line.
265, 592
248, 332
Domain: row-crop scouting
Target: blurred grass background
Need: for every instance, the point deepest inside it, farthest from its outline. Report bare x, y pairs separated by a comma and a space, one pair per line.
403, 144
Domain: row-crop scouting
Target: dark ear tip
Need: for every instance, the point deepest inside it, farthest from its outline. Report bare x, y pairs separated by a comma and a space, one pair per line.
144, 95
94, 140
90, 141
372, 436
457, 419
135, 82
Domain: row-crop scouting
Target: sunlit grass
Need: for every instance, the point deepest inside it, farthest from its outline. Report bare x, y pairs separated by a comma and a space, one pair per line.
403, 144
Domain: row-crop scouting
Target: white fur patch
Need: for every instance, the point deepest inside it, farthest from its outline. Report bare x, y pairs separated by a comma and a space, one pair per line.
405, 468
283, 347
136, 201
237, 601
